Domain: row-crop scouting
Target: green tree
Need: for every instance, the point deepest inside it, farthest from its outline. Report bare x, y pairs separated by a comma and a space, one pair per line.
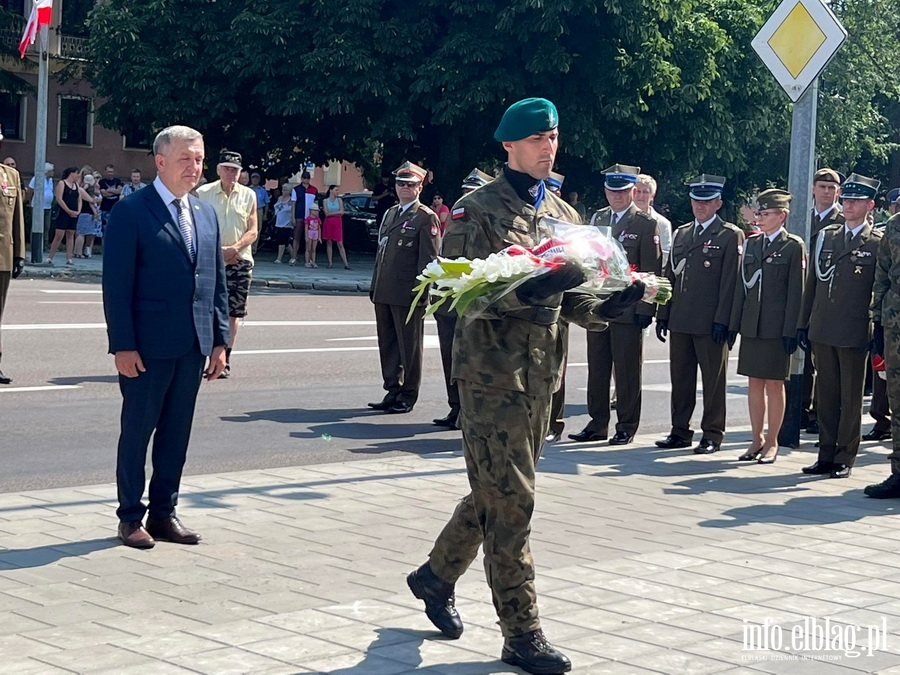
670, 85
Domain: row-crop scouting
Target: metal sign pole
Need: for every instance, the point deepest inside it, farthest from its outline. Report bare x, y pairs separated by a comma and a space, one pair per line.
40, 148
802, 168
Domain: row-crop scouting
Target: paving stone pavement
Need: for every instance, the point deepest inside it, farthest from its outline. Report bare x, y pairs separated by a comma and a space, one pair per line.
648, 561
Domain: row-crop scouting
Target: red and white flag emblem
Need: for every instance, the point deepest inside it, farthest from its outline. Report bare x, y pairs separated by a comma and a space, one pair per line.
40, 16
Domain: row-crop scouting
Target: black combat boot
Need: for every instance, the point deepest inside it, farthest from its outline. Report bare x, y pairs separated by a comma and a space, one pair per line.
440, 600
889, 489
533, 654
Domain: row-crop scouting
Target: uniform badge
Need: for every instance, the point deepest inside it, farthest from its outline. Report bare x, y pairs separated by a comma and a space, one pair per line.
458, 213
768, 260
434, 230
621, 237
656, 239
706, 249
706, 263
858, 270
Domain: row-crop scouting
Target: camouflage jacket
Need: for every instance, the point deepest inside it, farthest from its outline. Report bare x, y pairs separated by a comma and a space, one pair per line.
886, 290
506, 345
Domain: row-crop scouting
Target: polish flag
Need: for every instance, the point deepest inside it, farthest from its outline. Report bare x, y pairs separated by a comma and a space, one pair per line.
40, 16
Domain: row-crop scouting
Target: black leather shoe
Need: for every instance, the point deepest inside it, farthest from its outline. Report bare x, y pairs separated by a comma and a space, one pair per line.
449, 421
4, 379
552, 437
386, 404
440, 601
671, 442
706, 447
812, 428
400, 407
225, 374
840, 471
818, 469
171, 529
587, 435
889, 489
533, 654
621, 438
876, 435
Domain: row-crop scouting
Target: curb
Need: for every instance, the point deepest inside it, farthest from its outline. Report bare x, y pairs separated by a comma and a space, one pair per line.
64, 274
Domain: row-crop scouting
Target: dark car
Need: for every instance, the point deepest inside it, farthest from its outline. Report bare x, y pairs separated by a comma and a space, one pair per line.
360, 229
361, 200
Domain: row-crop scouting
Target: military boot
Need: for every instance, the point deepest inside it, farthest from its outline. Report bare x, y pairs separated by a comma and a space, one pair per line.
440, 600
532, 653
889, 489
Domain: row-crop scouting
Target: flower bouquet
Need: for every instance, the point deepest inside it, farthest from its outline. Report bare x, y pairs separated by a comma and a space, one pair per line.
598, 254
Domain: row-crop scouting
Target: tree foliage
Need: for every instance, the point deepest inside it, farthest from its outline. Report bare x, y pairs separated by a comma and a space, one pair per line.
670, 85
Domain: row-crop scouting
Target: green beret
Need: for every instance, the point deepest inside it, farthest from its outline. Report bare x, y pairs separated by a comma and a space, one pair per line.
526, 117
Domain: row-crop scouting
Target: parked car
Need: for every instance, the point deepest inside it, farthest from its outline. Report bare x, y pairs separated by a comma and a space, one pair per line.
361, 200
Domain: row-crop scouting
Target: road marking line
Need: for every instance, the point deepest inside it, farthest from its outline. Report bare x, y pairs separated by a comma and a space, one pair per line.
70, 302
49, 387
53, 326
60, 291
304, 351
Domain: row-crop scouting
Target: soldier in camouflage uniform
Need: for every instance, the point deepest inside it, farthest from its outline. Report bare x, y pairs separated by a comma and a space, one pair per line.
507, 362
886, 315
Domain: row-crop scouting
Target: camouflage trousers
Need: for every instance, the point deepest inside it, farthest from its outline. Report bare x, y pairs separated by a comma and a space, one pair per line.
892, 368
503, 434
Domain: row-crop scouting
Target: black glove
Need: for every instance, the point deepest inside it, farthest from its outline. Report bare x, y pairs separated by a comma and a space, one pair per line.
878, 339
621, 301
719, 333
18, 266
662, 329
535, 291
803, 339
732, 338
790, 344
643, 320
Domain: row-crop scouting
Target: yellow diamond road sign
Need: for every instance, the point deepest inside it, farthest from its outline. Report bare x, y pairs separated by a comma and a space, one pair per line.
797, 42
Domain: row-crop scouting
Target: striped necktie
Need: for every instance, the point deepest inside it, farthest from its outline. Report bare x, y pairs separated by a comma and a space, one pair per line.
185, 226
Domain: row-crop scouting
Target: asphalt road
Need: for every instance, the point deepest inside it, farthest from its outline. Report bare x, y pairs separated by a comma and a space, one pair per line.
304, 367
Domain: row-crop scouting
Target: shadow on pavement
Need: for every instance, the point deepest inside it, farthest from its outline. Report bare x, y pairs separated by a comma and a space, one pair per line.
102, 379
382, 654
300, 415
821, 510
47, 555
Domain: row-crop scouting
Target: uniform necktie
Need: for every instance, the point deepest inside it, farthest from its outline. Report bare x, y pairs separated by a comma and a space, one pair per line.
185, 226
698, 231
615, 219
848, 238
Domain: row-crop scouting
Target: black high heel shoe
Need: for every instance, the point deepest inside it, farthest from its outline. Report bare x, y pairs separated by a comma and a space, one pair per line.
750, 455
767, 460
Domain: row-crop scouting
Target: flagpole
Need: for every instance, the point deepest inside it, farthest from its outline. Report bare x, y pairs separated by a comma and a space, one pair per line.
40, 147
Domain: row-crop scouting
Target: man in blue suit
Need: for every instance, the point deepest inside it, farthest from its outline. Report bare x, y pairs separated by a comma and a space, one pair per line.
166, 313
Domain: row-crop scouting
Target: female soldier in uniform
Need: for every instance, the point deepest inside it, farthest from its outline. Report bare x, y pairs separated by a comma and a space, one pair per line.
769, 298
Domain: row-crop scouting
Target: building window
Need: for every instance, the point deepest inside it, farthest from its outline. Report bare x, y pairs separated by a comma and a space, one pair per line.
76, 122
136, 137
12, 116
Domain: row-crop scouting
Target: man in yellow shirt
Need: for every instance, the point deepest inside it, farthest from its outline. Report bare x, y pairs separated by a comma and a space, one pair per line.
235, 206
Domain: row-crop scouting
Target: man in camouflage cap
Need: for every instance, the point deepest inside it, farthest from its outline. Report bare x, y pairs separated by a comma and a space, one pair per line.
507, 362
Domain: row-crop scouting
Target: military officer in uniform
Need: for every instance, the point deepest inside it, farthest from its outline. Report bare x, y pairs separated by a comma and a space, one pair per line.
826, 212
621, 346
770, 293
836, 322
886, 317
879, 408
409, 239
445, 318
554, 183
703, 269
12, 237
508, 361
